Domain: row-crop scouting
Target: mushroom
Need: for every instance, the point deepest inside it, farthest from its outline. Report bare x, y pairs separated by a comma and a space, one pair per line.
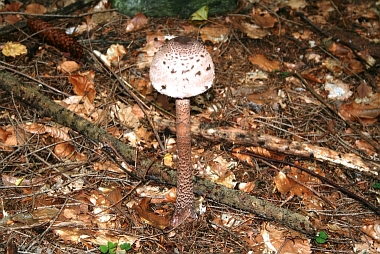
182, 68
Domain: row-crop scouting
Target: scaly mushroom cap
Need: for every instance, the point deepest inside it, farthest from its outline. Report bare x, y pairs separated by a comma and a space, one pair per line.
182, 68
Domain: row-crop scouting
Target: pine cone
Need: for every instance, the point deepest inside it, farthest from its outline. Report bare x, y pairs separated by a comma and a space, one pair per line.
56, 37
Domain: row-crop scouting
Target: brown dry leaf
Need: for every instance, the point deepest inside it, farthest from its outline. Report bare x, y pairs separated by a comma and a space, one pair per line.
45, 213
263, 18
4, 134
367, 245
219, 171
227, 220
68, 67
124, 114
72, 234
13, 6
136, 23
268, 97
297, 4
214, 33
263, 63
312, 78
59, 133
274, 238
83, 107
153, 42
15, 137
287, 186
136, 110
109, 166
150, 217
242, 157
333, 65
253, 31
83, 85
35, 9
366, 110
364, 146
372, 230
266, 153
64, 150
113, 56
339, 50
156, 194
103, 198
14, 49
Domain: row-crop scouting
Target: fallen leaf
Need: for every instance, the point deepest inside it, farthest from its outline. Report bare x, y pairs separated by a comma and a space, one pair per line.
123, 113
136, 23
149, 217
64, 150
68, 66
83, 85
214, 33
263, 63
35, 9
4, 134
366, 110
14, 49
263, 18
200, 15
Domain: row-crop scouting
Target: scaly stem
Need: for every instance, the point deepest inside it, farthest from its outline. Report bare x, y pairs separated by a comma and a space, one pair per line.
185, 197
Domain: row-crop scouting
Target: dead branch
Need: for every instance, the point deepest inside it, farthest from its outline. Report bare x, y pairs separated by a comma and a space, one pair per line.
251, 138
218, 193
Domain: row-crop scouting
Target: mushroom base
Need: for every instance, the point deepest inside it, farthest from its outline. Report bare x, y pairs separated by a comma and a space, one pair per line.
184, 208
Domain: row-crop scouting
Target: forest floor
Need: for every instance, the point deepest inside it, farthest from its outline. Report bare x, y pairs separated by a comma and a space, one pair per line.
292, 119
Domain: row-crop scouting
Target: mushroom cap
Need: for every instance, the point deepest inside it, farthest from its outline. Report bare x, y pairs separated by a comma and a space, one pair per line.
182, 68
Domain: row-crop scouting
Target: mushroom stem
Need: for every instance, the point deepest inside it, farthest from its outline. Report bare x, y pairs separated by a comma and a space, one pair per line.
184, 207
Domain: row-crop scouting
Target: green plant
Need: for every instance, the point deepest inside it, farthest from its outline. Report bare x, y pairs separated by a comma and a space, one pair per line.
376, 185
126, 246
111, 247
321, 237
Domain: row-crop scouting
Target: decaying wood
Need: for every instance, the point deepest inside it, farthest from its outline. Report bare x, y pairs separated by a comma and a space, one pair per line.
218, 193
251, 138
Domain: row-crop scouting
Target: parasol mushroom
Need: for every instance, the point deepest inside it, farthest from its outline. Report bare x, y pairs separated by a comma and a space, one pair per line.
182, 68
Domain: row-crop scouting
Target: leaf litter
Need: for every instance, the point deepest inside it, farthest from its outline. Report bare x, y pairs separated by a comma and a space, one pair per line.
76, 195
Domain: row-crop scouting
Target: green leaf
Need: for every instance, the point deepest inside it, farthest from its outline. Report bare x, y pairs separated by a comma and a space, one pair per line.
322, 234
376, 185
111, 245
103, 248
200, 15
321, 237
126, 246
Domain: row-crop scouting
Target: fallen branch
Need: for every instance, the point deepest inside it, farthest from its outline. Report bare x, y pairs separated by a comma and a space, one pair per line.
218, 193
251, 138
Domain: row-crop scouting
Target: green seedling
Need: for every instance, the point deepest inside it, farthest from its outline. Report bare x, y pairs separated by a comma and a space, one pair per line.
376, 185
321, 237
109, 248
126, 246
